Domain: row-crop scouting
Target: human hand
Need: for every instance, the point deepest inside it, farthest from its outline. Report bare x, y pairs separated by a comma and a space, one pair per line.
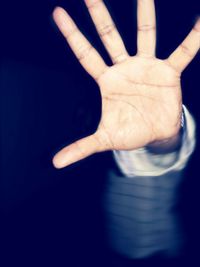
141, 94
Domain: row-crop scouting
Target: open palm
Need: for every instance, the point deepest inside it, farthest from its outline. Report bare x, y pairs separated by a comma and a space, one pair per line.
141, 95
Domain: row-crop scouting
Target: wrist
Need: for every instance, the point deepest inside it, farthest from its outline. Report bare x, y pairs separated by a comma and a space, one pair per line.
170, 144
167, 145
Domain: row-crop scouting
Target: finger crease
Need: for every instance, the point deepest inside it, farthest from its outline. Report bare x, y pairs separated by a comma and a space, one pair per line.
119, 58
97, 141
146, 28
84, 52
108, 137
143, 54
79, 149
71, 33
106, 30
173, 67
186, 50
94, 4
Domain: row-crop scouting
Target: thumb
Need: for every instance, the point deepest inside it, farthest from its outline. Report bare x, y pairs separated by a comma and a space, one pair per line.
76, 151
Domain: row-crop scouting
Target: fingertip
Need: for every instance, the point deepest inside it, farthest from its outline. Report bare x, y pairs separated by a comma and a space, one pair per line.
58, 12
55, 13
56, 163
197, 25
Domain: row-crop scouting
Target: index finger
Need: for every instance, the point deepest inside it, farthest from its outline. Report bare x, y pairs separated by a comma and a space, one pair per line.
86, 54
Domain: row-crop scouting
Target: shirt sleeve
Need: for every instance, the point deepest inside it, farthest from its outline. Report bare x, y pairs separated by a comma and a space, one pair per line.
141, 162
139, 203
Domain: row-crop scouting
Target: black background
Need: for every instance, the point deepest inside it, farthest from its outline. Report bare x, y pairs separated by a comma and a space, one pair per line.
47, 101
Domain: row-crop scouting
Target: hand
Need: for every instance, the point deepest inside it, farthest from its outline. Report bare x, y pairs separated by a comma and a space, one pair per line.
141, 95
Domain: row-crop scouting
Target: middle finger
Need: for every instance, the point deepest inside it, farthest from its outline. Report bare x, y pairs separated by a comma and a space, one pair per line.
107, 30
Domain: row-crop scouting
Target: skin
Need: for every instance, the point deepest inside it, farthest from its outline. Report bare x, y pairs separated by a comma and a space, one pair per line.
141, 94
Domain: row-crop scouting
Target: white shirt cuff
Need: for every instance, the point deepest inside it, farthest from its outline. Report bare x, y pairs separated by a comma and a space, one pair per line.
141, 162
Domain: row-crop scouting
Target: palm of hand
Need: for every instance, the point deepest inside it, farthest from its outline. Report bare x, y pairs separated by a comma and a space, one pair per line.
141, 95
141, 103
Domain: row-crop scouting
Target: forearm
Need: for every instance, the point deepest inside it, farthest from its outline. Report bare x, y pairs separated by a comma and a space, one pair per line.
139, 202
